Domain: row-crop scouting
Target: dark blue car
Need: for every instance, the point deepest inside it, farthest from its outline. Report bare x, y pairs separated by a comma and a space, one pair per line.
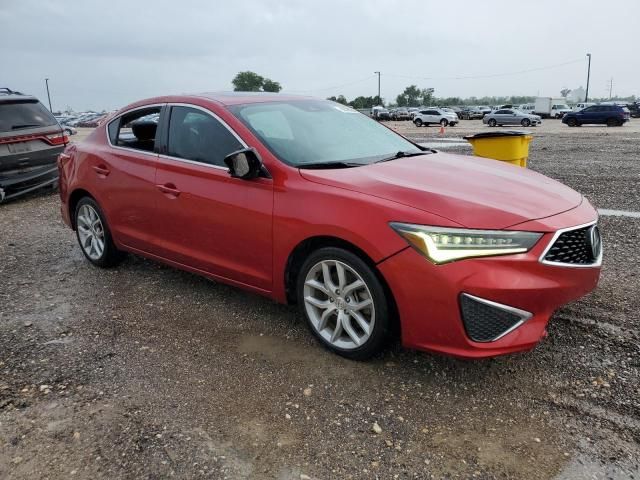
610, 115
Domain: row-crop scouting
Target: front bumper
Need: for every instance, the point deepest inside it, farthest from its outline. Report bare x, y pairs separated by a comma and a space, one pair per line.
20, 183
429, 296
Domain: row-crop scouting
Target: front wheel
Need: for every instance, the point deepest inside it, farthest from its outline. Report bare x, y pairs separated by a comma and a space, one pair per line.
525, 122
417, 122
572, 122
344, 303
94, 235
492, 123
444, 122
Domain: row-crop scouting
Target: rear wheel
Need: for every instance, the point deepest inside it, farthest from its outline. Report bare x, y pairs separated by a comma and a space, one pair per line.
94, 235
525, 122
613, 122
344, 303
417, 122
492, 122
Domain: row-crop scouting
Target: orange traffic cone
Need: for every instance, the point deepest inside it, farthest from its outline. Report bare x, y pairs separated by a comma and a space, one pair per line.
441, 129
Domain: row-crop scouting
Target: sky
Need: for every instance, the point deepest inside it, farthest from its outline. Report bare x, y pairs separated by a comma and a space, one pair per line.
106, 54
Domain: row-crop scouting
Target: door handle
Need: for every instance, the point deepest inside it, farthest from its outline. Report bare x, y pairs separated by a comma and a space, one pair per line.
169, 189
101, 170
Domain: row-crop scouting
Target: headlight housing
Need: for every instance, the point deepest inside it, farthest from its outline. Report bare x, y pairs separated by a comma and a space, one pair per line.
443, 245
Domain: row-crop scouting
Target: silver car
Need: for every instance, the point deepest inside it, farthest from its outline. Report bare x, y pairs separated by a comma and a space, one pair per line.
509, 116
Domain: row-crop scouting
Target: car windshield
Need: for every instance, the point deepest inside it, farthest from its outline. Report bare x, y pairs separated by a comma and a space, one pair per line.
303, 132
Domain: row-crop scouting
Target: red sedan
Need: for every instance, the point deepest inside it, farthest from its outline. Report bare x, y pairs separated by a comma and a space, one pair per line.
310, 202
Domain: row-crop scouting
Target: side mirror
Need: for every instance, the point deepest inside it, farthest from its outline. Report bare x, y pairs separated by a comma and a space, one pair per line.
245, 164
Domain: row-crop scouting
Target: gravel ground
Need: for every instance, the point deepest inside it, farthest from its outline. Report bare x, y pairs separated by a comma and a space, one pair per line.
148, 372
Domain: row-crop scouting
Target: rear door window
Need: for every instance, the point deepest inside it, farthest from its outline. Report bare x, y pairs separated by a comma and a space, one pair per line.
135, 130
19, 115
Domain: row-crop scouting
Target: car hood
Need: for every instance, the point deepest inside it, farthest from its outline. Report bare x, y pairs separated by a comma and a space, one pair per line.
471, 191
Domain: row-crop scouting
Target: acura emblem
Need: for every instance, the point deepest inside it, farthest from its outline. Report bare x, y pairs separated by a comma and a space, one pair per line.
596, 242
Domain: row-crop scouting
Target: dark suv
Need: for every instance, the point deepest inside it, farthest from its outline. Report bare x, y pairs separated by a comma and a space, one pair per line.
611, 115
30, 141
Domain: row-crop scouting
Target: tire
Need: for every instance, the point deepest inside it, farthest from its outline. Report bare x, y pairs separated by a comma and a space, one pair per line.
613, 122
322, 303
572, 122
492, 122
525, 122
91, 226
68, 132
417, 122
444, 122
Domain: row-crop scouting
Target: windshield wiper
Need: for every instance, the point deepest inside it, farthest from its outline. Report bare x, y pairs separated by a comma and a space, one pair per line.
320, 165
26, 125
401, 155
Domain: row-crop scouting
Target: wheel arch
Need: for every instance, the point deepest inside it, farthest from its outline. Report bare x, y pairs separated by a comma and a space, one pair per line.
74, 198
304, 248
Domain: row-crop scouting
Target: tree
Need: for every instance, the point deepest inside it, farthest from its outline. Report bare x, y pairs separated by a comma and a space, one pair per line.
565, 91
252, 82
247, 82
340, 99
427, 96
269, 85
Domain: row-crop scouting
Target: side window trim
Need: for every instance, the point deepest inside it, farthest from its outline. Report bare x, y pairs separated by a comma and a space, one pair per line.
165, 134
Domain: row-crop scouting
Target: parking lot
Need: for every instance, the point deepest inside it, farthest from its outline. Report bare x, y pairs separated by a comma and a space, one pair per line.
144, 371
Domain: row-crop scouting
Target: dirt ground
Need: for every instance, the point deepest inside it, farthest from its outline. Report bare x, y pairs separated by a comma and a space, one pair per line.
144, 371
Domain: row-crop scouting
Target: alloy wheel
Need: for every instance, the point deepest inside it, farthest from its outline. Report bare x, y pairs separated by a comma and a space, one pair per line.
339, 304
90, 232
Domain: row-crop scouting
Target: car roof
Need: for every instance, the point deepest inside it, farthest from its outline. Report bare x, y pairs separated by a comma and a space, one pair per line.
8, 95
225, 98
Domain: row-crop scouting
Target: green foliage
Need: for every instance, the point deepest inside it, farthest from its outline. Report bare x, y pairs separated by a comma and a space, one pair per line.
252, 82
340, 99
565, 91
411, 97
364, 102
271, 86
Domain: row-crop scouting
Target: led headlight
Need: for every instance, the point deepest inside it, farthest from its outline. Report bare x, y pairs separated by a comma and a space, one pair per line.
443, 245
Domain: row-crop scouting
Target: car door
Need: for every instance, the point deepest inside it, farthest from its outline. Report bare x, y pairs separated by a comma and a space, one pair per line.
433, 116
123, 175
500, 116
206, 219
587, 115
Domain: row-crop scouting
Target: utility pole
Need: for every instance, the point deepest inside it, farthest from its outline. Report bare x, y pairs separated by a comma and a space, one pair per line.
586, 95
610, 87
379, 98
46, 81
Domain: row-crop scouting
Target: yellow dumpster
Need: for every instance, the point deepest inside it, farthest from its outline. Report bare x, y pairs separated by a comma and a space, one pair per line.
511, 146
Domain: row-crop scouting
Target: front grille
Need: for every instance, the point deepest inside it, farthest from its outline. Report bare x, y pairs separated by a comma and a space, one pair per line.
487, 321
581, 246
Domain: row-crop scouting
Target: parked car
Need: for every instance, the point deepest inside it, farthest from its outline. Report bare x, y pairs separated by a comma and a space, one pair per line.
610, 115
401, 114
527, 108
412, 112
30, 141
484, 109
507, 116
472, 113
306, 203
382, 114
434, 116
634, 109
69, 130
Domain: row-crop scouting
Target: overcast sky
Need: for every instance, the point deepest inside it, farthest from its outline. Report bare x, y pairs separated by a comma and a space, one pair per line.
105, 54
